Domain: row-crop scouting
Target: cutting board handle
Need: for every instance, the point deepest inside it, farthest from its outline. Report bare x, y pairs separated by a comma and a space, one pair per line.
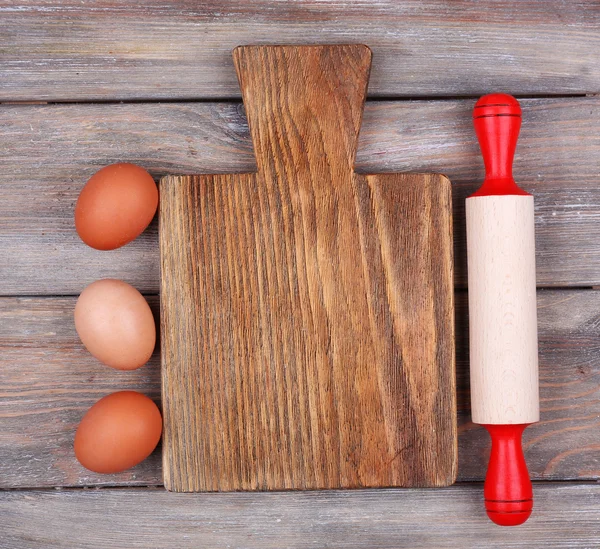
283, 85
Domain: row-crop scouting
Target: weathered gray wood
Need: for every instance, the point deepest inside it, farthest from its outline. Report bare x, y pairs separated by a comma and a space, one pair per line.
49, 152
565, 444
57, 50
48, 380
48, 155
565, 516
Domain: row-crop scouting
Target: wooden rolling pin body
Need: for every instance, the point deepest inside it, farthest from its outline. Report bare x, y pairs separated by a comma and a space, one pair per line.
502, 311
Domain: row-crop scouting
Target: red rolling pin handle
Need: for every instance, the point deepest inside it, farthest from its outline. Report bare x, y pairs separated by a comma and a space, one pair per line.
507, 490
497, 120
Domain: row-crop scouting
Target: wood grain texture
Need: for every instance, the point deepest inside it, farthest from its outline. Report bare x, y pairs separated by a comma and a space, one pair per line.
307, 312
565, 516
110, 50
65, 50
48, 152
48, 380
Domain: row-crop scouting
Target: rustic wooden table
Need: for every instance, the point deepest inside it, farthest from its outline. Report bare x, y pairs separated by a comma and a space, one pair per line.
155, 85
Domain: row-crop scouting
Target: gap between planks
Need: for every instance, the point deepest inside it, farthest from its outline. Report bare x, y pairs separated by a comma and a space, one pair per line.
138, 487
457, 289
233, 99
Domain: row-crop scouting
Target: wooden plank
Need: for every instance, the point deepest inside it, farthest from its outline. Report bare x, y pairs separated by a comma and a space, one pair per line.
566, 441
48, 380
565, 515
54, 50
48, 152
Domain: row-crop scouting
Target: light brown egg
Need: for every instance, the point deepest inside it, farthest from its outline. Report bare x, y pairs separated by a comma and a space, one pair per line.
115, 324
118, 432
115, 206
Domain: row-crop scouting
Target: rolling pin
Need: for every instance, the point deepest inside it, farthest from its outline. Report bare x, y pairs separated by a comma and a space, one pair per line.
502, 311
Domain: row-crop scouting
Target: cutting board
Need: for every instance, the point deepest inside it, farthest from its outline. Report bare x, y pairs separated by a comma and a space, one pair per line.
306, 310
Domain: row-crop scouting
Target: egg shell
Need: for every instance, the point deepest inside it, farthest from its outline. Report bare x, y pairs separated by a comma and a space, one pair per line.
118, 432
115, 324
115, 206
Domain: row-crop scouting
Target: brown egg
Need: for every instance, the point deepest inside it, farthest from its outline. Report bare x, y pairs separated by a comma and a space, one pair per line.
118, 432
115, 324
115, 206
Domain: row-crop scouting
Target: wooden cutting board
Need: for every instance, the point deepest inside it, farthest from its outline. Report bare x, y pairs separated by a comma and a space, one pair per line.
306, 310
